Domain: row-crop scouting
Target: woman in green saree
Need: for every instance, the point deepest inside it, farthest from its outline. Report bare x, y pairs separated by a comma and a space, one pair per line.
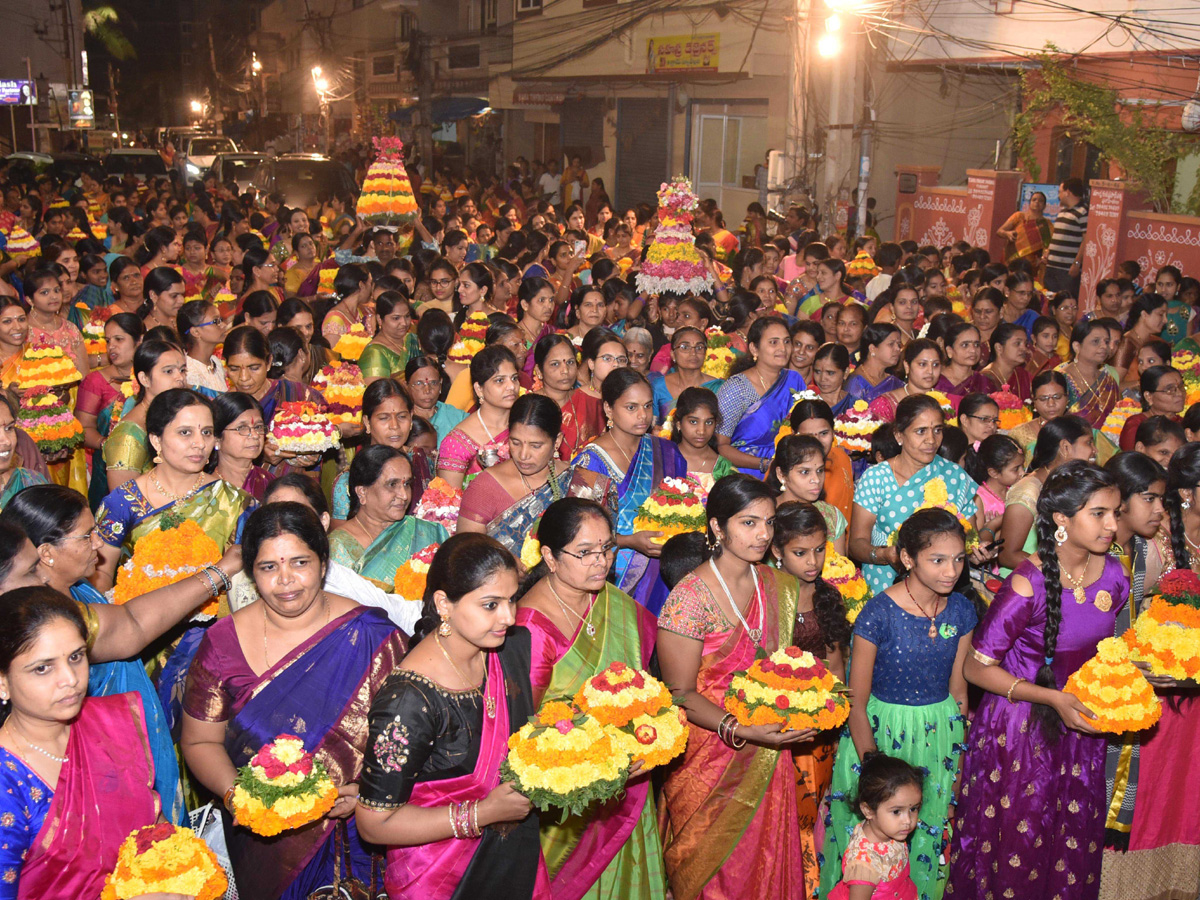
380, 536
157, 367
179, 427
579, 624
106, 394
394, 345
506, 500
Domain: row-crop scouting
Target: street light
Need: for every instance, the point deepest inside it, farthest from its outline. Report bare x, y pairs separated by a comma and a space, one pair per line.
255, 64
197, 107
829, 45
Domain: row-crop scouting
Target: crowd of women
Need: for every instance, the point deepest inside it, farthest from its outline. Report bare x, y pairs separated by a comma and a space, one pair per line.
964, 770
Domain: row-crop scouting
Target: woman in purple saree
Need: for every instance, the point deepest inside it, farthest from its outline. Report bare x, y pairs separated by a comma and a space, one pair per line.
298, 661
439, 729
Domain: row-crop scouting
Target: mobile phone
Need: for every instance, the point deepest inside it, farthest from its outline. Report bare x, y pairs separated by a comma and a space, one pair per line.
580, 247
999, 542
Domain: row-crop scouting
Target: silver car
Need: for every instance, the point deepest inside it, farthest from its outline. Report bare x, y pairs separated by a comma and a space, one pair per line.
238, 167
196, 153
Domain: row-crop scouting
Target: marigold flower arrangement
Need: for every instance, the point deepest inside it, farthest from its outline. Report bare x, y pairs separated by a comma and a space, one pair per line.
566, 759
948, 410
283, 787
672, 263
1115, 690
470, 339
45, 365
411, 577
94, 341
387, 195
667, 426
440, 503
1120, 414
341, 384
854, 427
49, 422
177, 550
1180, 587
936, 496
302, 427
638, 710
531, 550
1012, 411
674, 507
719, 357
352, 343
842, 574
165, 859
1167, 636
792, 688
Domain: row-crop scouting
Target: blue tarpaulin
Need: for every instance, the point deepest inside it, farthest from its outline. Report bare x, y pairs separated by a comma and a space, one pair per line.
445, 109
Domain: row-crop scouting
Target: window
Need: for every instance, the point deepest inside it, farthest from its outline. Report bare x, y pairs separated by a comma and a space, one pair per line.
528, 7
185, 27
384, 65
464, 56
728, 149
489, 16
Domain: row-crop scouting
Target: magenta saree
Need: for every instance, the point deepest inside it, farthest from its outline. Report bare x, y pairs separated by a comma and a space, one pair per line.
728, 819
104, 792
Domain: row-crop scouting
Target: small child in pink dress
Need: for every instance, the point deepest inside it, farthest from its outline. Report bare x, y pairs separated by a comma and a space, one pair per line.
996, 464
875, 864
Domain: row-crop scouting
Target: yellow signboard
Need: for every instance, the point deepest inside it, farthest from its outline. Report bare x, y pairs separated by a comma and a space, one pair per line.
684, 52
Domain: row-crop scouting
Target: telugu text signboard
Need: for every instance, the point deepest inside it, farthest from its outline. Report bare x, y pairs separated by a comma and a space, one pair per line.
684, 52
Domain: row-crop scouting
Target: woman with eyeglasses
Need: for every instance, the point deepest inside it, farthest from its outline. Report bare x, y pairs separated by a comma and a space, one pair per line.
1049, 393
241, 434
394, 344
61, 528
261, 273
200, 326
637, 461
424, 377
1163, 394
579, 624
481, 439
688, 349
978, 417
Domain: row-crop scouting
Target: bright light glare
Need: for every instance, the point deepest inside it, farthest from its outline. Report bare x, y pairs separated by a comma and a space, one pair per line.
316, 70
828, 45
322, 85
255, 64
846, 6
197, 106
833, 23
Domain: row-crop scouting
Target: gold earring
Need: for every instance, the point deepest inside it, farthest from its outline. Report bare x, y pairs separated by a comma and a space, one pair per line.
157, 460
444, 628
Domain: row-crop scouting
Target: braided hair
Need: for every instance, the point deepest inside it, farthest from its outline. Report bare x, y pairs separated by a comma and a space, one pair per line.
792, 520
1183, 472
1066, 491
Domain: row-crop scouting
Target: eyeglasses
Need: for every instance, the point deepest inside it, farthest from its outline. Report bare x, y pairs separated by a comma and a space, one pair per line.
995, 420
442, 282
205, 324
690, 348
1049, 398
269, 265
86, 536
425, 384
247, 430
614, 360
592, 557
1173, 389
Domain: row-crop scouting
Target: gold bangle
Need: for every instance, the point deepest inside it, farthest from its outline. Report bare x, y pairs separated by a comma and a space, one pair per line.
1012, 687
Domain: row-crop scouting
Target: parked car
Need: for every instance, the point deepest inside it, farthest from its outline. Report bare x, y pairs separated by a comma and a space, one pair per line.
304, 179
145, 164
25, 165
239, 167
195, 154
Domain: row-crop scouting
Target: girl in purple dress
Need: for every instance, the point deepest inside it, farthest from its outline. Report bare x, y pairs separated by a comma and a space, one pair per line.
1031, 815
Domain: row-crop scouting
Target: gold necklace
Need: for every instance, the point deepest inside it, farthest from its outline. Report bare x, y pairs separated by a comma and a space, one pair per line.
761, 380
525, 481
61, 760
173, 497
586, 620
932, 618
1077, 584
488, 703
628, 458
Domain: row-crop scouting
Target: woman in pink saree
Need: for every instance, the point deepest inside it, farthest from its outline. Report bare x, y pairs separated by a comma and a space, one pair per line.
64, 758
439, 729
728, 814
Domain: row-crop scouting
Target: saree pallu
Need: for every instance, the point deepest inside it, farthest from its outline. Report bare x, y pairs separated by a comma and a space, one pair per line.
1094, 402
20, 479
728, 818
755, 433
321, 692
582, 422
106, 420
125, 676
612, 851
1031, 237
494, 865
109, 769
394, 546
655, 459
377, 361
513, 525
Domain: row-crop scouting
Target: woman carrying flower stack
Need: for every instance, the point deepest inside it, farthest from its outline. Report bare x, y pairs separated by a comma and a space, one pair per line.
296, 661
756, 400
821, 629
1042, 820
694, 431
580, 624
439, 730
728, 815
93, 756
636, 462
380, 535
910, 697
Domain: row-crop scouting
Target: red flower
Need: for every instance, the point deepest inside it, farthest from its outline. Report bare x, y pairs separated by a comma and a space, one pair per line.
831, 705
564, 725
742, 695
618, 666
272, 767
645, 734
782, 702
767, 666
303, 766
152, 834
793, 652
1181, 581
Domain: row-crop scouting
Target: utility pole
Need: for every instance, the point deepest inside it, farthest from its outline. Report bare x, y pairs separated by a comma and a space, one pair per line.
864, 152
112, 101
